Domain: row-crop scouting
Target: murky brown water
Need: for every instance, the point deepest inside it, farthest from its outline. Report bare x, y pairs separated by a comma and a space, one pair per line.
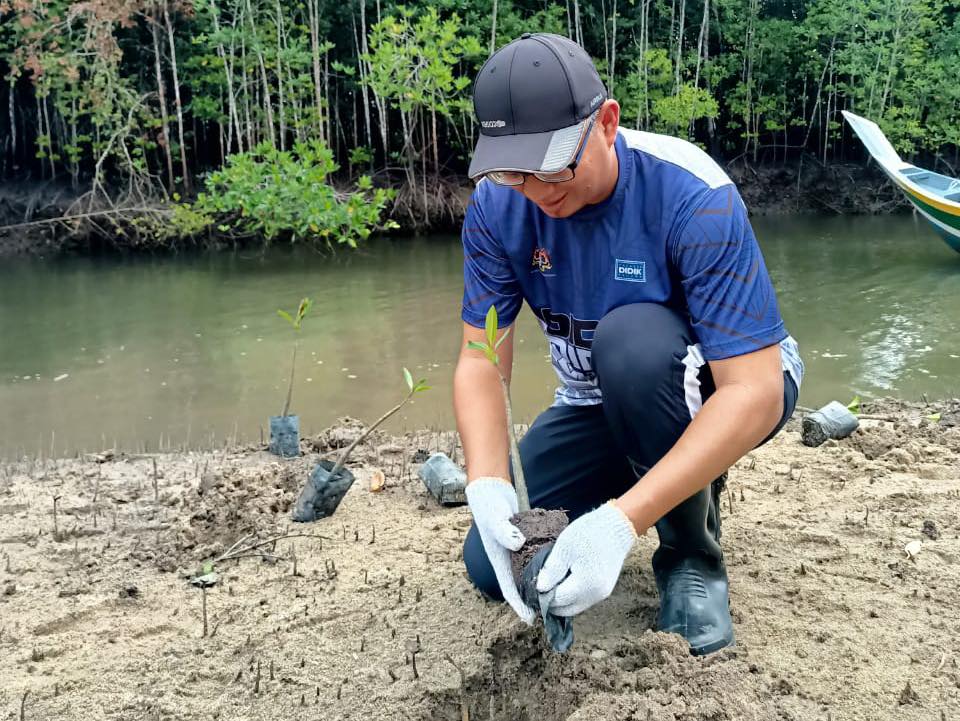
191, 348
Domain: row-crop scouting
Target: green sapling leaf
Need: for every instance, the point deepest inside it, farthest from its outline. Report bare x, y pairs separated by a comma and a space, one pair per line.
476, 345
302, 310
854, 405
409, 379
502, 338
491, 326
287, 317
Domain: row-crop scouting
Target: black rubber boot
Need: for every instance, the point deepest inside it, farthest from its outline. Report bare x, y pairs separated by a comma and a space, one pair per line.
691, 576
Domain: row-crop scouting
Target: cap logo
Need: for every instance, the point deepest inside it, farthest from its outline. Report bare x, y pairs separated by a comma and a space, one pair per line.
493, 123
596, 99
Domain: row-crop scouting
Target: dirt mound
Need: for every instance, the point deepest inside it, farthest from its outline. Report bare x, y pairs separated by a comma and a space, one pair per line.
652, 676
235, 501
235, 498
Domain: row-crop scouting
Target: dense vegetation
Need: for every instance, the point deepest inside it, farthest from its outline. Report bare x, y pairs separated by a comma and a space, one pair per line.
135, 101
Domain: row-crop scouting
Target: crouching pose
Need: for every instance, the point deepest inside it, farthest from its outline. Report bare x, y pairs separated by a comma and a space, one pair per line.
635, 253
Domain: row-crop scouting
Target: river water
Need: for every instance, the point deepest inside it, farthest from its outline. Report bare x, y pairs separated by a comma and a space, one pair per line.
189, 349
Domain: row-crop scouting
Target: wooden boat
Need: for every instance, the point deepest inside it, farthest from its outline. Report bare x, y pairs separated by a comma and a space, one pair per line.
936, 197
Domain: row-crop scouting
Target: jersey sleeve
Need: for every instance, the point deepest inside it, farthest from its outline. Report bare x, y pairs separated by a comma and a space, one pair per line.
488, 277
732, 303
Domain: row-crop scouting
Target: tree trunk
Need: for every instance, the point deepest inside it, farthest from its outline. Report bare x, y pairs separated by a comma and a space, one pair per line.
436, 152
892, 65
46, 119
679, 64
606, 38
164, 117
331, 139
578, 30
267, 104
233, 121
493, 29
281, 110
703, 41
703, 53
313, 12
613, 49
176, 98
362, 67
13, 123
245, 80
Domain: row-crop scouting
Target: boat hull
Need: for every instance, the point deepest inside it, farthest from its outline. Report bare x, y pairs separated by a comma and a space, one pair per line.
934, 196
945, 224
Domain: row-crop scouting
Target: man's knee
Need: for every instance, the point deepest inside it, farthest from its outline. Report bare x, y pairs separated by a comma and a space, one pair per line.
479, 570
638, 342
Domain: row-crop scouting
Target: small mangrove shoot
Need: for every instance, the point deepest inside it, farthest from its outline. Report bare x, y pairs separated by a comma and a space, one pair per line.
295, 321
329, 482
489, 349
412, 389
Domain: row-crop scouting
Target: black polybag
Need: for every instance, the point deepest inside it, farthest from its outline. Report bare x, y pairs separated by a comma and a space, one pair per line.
559, 628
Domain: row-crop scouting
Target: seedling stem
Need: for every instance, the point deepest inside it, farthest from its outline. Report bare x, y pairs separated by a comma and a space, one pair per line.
489, 349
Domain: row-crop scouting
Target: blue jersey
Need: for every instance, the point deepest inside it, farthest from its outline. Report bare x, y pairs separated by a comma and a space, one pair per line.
674, 231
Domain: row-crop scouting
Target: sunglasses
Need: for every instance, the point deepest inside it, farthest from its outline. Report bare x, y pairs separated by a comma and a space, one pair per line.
513, 177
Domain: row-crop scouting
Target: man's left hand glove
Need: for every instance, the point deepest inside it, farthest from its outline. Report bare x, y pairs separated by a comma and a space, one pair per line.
592, 550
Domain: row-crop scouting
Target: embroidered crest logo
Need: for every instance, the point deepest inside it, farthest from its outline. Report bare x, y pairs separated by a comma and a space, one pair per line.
541, 260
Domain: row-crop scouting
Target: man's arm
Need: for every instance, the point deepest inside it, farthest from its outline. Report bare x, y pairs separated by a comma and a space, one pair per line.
734, 314
746, 406
479, 408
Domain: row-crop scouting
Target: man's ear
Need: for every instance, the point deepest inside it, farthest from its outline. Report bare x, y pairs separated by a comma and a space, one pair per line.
609, 120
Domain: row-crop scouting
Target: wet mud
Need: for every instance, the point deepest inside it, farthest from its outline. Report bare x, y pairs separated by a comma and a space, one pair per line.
844, 562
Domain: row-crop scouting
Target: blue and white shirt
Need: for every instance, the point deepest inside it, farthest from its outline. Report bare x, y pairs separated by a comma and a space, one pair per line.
674, 231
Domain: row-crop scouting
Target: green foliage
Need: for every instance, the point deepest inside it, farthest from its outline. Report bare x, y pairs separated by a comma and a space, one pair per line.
688, 105
489, 349
413, 61
361, 155
296, 319
273, 193
415, 387
262, 81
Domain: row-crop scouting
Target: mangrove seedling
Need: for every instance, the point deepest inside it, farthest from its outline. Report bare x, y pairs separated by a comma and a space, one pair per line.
295, 322
207, 579
285, 429
329, 482
489, 349
539, 527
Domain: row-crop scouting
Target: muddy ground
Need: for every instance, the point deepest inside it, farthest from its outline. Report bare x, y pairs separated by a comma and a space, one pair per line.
368, 614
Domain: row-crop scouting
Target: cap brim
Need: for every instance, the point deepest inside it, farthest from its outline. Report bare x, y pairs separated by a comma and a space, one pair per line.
546, 152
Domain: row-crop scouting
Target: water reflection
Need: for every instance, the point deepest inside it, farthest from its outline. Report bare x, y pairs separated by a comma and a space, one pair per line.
190, 348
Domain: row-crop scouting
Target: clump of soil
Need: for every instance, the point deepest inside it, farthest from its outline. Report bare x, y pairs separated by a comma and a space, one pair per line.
539, 527
650, 676
235, 500
341, 434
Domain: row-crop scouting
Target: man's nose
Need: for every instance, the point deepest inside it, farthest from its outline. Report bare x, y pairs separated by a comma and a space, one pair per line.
535, 189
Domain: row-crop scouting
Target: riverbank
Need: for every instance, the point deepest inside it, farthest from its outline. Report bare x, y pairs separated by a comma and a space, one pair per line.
30, 212
368, 614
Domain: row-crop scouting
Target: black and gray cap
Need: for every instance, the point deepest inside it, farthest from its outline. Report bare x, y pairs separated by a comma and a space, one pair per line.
533, 97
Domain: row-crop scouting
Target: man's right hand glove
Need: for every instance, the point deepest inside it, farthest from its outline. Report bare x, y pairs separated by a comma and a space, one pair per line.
493, 501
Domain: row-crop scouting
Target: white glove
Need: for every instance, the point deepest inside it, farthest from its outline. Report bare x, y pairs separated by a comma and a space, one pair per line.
493, 501
592, 550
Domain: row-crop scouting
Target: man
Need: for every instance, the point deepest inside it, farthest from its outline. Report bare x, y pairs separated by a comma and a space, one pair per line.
635, 253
